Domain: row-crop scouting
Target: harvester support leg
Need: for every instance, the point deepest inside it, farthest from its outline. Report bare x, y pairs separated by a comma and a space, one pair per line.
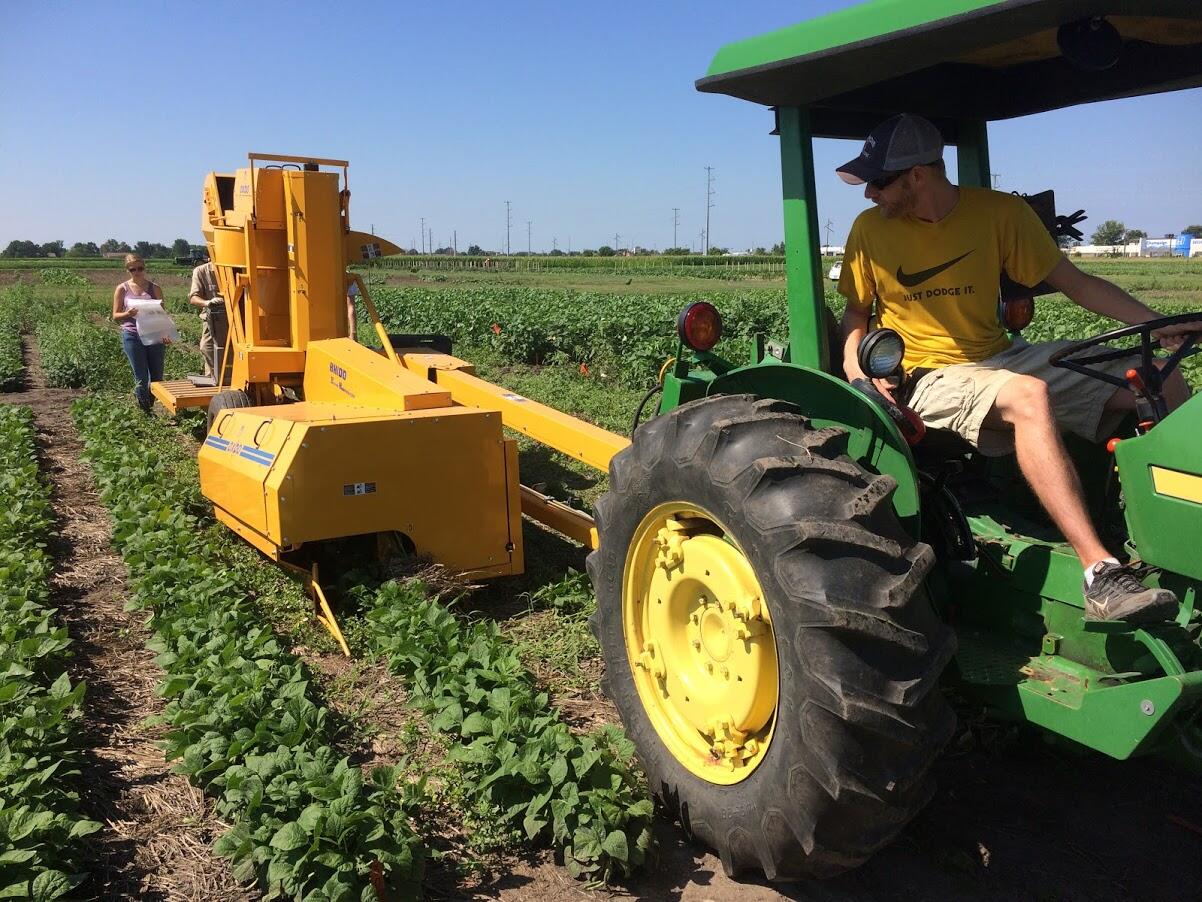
323, 612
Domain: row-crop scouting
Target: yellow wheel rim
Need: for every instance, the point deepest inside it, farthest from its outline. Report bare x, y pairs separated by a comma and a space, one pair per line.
700, 643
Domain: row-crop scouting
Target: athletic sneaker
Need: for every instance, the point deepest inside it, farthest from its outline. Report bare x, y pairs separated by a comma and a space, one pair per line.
1116, 594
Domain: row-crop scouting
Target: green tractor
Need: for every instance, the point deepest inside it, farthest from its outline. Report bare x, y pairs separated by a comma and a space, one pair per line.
784, 581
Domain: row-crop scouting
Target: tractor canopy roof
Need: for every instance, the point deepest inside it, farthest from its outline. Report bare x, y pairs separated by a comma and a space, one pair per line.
955, 60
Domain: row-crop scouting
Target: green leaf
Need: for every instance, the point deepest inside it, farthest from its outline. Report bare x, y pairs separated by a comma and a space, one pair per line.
616, 846
84, 828
50, 885
558, 771
289, 837
475, 723
311, 817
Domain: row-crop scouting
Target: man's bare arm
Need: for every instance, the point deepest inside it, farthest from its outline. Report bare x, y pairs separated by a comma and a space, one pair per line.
1105, 298
853, 328
1098, 295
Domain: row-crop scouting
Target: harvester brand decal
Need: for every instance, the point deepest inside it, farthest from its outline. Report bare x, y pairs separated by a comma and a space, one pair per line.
337, 374
255, 455
359, 488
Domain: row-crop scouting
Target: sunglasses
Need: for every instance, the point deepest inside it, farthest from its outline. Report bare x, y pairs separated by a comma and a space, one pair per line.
886, 180
136, 269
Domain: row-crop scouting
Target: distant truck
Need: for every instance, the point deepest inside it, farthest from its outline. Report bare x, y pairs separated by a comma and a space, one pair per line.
195, 257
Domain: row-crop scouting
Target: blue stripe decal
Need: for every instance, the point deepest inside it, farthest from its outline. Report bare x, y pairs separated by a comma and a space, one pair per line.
254, 455
257, 460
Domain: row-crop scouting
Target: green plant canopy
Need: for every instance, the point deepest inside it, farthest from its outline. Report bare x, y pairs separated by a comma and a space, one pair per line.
952, 60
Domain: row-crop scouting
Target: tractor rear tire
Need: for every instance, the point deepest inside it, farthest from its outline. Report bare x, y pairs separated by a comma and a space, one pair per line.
859, 716
230, 399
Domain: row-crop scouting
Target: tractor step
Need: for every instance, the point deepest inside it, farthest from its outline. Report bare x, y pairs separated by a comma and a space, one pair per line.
1120, 714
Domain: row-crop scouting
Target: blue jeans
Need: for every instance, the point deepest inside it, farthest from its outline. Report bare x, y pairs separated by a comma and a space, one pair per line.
147, 363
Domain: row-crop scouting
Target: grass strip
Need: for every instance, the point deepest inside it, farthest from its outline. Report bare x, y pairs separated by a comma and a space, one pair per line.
40, 827
579, 793
242, 721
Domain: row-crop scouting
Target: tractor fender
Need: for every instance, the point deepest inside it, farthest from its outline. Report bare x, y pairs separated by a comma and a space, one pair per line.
873, 441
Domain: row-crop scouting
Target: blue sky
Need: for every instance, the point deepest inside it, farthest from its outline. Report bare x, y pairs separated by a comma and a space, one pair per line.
586, 119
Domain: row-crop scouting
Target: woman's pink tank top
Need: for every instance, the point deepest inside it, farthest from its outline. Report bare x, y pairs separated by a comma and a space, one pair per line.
131, 291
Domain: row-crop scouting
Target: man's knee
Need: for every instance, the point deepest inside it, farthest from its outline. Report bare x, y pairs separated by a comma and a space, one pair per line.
1023, 398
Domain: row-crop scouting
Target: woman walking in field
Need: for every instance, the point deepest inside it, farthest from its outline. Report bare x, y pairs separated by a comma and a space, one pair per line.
145, 360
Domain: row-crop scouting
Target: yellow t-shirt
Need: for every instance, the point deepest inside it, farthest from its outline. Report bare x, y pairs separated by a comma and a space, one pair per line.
937, 283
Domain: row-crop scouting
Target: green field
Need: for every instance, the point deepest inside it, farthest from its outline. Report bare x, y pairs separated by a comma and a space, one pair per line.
510, 749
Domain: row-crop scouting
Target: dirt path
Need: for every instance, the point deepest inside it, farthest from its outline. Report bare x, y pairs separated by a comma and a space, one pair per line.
158, 827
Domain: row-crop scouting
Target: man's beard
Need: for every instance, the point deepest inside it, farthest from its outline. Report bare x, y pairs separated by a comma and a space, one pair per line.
903, 206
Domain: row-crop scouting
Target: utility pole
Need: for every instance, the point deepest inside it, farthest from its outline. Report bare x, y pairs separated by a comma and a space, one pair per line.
675, 223
996, 176
423, 234
709, 204
455, 241
828, 232
554, 243
508, 223
431, 237
617, 242
527, 237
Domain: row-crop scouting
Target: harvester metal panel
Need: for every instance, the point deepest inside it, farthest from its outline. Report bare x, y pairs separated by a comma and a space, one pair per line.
306, 472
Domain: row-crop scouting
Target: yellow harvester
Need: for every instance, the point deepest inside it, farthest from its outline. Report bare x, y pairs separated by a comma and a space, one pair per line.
313, 436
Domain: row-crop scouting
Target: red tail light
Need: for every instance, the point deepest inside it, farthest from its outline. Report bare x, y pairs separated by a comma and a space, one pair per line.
699, 326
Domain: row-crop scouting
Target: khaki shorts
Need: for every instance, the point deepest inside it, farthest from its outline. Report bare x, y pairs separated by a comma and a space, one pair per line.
959, 397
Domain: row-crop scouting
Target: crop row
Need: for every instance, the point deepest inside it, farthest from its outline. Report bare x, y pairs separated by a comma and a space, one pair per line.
40, 825
10, 341
579, 793
627, 335
80, 346
242, 720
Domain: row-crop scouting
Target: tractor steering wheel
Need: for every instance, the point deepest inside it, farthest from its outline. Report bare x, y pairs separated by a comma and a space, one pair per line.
1071, 357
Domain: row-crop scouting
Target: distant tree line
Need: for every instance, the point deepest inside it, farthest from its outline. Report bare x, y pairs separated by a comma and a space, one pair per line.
181, 248
147, 249
1112, 232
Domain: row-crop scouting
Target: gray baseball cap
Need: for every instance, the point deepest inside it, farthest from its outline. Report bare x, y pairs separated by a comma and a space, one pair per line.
897, 143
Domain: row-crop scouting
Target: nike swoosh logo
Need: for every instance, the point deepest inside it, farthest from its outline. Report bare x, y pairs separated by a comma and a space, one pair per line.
909, 280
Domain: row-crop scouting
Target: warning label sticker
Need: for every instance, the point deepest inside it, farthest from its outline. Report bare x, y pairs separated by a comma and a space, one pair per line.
359, 488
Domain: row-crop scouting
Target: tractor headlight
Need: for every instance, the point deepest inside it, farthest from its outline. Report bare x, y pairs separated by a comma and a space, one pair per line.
881, 352
699, 326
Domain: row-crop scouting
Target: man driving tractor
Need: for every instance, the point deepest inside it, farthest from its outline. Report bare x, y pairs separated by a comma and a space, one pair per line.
930, 255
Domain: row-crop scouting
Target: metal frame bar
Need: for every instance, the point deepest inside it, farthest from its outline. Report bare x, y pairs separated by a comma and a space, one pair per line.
808, 345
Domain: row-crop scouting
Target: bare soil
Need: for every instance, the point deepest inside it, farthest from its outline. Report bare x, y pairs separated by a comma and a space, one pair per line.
158, 827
